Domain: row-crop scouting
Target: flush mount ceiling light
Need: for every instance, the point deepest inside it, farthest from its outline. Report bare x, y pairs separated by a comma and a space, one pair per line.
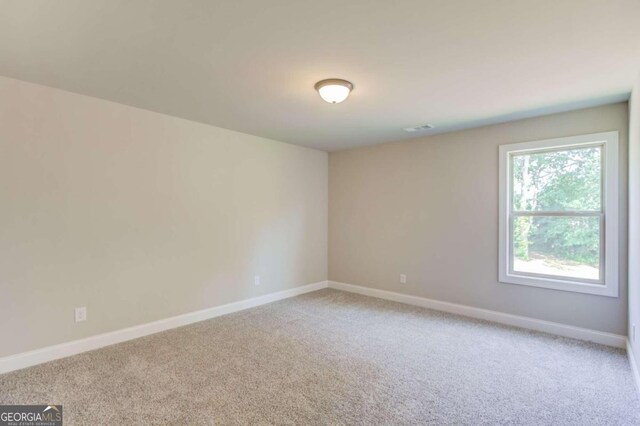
418, 128
334, 90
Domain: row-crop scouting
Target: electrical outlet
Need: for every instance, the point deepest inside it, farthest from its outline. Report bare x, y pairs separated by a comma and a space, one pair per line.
81, 314
403, 279
256, 280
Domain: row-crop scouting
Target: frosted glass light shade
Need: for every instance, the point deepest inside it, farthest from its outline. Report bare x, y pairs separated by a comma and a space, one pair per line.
334, 90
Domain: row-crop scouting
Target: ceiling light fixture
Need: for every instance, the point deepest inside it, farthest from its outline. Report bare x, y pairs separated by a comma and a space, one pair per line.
418, 128
334, 90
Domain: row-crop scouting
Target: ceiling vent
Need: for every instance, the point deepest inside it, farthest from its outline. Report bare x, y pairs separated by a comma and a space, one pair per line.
418, 128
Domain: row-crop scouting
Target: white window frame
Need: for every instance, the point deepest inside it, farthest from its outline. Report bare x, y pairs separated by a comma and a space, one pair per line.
609, 215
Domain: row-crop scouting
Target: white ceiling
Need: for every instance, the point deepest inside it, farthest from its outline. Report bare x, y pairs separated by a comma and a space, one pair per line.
250, 65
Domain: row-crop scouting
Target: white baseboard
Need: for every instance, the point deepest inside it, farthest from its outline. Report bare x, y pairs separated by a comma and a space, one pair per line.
634, 367
50, 353
564, 330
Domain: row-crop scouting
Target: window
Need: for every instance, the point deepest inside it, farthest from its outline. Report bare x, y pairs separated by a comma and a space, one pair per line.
559, 214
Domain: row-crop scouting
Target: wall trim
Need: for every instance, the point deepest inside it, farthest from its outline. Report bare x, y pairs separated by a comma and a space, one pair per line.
556, 328
63, 350
634, 367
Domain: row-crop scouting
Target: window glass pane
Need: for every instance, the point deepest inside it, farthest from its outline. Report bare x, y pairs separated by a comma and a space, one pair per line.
565, 246
557, 180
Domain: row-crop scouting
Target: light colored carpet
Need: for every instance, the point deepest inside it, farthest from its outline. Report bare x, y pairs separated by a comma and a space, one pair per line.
331, 357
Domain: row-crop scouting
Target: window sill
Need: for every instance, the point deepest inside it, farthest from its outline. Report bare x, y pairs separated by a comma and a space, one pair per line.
607, 289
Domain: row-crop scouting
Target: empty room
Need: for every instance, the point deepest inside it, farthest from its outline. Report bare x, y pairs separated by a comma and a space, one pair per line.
413, 212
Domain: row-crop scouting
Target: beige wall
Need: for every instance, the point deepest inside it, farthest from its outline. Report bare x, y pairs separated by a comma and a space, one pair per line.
634, 220
428, 208
140, 216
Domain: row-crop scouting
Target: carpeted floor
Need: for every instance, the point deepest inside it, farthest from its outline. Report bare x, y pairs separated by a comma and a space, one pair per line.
331, 357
